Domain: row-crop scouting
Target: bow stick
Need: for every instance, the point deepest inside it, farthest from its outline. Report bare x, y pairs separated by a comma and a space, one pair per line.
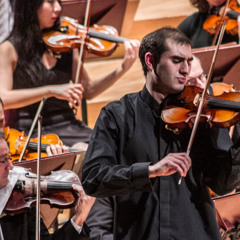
200, 107
81, 55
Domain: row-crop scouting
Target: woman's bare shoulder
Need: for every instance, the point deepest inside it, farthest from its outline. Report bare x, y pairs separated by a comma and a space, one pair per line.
7, 48
8, 52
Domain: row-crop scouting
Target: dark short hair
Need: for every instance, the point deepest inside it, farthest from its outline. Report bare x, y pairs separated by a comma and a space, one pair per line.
155, 43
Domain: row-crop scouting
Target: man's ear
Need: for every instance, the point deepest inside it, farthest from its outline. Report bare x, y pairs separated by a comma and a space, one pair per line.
149, 60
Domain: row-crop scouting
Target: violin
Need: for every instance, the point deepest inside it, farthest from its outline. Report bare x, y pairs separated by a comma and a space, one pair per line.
100, 40
221, 110
16, 141
56, 190
213, 21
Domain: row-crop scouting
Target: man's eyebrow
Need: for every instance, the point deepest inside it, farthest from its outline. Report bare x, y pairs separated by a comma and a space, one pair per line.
4, 155
177, 57
190, 59
182, 58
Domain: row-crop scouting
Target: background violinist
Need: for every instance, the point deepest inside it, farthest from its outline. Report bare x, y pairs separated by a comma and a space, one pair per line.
22, 226
193, 26
29, 72
10, 223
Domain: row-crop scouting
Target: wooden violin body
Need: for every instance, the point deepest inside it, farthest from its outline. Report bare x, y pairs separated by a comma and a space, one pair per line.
100, 40
221, 110
16, 141
56, 190
213, 21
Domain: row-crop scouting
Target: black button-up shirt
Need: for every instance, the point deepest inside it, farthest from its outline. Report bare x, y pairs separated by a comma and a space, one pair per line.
129, 136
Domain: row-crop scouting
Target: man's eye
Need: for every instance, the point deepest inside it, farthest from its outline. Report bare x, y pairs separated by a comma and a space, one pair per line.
177, 60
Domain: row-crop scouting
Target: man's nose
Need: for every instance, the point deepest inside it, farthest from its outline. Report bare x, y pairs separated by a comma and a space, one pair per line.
9, 165
185, 68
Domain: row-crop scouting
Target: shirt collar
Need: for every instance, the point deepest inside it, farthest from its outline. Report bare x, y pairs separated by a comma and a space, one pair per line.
150, 101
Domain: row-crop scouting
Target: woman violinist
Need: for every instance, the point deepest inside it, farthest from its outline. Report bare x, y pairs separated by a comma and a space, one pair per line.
29, 72
198, 30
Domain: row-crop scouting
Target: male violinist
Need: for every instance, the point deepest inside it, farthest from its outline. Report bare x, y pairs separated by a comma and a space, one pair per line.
22, 226
136, 162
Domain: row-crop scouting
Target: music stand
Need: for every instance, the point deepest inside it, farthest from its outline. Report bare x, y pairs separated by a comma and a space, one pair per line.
228, 215
65, 161
227, 63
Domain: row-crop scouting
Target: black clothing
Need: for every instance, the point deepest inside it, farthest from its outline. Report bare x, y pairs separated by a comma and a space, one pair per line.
129, 136
192, 27
57, 115
100, 219
22, 227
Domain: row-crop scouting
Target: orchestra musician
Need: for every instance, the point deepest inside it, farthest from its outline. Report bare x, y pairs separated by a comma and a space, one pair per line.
29, 72
100, 218
193, 28
137, 162
196, 76
22, 225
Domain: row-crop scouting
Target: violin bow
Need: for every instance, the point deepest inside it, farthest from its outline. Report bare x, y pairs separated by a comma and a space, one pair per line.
38, 191
40, 107
200, 107
221, 23
82, 55
81, 52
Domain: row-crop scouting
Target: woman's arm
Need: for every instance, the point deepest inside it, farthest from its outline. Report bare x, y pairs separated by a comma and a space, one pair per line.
23, 97
94, 87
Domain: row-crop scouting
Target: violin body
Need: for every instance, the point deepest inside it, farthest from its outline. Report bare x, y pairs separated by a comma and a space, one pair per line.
56, 190
16, 141
221, 110
219, 88
100, 40
213, 21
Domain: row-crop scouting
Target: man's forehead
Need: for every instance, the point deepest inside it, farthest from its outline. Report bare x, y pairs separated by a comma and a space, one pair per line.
179, 49
3, 146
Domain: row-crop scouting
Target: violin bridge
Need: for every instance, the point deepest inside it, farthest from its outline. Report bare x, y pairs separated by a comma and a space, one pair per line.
197, 100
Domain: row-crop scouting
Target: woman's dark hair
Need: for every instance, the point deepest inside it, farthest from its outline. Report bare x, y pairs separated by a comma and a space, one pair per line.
26, 37
155, 43
201, 5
